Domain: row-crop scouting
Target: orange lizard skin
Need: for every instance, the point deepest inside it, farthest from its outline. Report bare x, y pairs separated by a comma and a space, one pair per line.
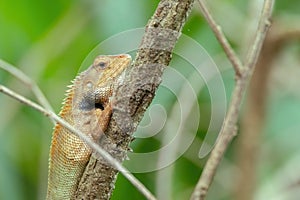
88, 108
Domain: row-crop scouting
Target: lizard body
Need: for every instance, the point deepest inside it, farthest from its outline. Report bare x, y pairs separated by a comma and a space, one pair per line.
88, 108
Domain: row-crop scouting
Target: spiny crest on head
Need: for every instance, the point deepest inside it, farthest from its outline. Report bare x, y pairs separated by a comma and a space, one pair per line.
69, 95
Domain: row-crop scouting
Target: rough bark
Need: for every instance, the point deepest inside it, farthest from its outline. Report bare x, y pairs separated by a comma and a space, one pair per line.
135, 95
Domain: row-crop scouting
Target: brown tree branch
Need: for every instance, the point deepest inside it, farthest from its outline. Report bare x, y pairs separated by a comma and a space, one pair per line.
229, 128
252, 121
135, 95
253, 118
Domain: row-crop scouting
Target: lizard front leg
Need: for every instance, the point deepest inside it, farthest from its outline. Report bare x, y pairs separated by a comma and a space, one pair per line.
105, 116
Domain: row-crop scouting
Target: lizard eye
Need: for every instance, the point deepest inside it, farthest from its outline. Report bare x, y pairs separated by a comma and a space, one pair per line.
101, 64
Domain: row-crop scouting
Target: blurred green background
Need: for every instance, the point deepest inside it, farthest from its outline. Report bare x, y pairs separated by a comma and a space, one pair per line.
49, 40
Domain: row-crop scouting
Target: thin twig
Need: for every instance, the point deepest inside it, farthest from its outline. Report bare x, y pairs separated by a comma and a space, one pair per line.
84, 137
235, 61
263, 27
28, 82
229, 127
46, 50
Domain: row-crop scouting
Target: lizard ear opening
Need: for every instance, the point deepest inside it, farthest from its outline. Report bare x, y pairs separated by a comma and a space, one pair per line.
99, 106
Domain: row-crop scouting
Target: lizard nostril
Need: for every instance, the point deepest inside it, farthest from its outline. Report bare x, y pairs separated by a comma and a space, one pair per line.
99, 106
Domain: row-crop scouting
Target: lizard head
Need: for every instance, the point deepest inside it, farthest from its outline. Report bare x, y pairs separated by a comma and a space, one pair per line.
98, 81
109, 68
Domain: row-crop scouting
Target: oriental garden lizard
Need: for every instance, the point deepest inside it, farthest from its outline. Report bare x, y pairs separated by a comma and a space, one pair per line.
88, 107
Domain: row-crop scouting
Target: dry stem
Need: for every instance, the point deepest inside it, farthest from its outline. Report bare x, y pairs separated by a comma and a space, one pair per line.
253, 118
28, 82
236, 63
229, 127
